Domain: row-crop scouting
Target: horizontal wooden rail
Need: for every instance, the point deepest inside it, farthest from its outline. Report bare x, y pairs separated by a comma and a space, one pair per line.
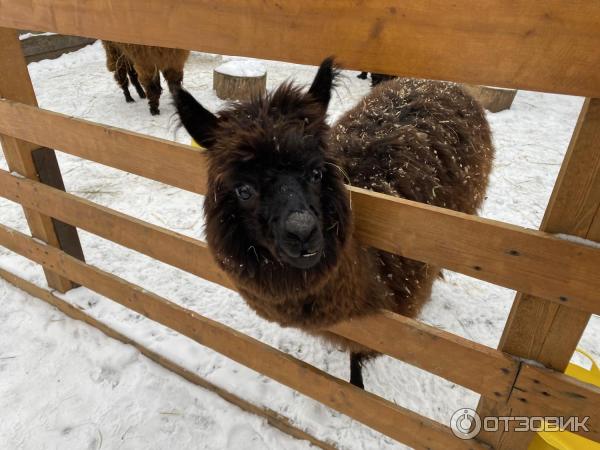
529, 261
544, 392
275, 419
447, 355
165, 161
546, 46
518, 258
497, 371
536, 390
397, 422
159, 243
439, 352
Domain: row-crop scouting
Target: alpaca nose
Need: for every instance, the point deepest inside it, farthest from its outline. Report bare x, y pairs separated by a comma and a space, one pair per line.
300, 225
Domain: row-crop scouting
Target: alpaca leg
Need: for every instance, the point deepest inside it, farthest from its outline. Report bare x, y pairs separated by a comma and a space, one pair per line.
362, 75
174, 78
121, 78
150, 79
133, 77
356, 378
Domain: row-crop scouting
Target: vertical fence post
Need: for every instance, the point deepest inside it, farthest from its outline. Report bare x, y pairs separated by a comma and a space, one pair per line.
539, 329
15, 84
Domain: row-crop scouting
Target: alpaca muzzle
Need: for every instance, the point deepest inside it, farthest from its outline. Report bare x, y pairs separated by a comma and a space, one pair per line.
302, 240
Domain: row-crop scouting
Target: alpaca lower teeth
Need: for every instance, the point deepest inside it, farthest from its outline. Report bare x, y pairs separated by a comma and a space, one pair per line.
308, 255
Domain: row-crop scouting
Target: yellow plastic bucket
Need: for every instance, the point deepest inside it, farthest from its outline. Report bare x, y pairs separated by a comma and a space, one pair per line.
564, 440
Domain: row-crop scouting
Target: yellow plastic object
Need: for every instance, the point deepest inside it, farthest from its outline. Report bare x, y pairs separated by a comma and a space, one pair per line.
195, 144
564, 440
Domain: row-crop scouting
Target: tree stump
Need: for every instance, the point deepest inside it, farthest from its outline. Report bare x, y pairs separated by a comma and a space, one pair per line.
239, 80
491, 98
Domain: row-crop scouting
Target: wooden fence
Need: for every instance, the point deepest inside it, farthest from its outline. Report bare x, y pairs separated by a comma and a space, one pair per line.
550, 46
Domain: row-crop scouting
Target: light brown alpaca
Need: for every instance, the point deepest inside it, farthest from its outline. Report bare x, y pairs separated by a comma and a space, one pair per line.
145, 62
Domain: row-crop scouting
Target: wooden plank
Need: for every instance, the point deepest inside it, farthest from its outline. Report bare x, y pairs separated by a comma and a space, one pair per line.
399, 423
424, 346
275, 419
15, 84
436, 351
550, 46
159, 243
510, 256
543, 392
48, 171
37, 48
504, 254
165, 161
573, 209
497, 372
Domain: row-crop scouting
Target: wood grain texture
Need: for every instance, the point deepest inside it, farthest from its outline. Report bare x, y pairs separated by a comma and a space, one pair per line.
399, 423
537, 329
159, 243
497, 371
15, 84
511, 256
48, 171
179, 165
543, 392
546, 46
275, 419
436, 351
229, 87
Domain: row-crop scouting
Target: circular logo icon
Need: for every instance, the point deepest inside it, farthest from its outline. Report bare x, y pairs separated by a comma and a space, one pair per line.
465, 423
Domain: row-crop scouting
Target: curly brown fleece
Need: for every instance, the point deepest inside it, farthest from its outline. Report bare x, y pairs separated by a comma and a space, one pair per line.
145, 62
421, 140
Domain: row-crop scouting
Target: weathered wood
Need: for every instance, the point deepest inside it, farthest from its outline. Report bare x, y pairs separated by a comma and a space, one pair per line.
48, 171
550, 46
15, 84
159, 243
491, 98
436, 351
275, 419
229, 87
399, 423
423, 346
515, 257
37, 48
543, 392
497, 371
158, 159
503, 254
537, 329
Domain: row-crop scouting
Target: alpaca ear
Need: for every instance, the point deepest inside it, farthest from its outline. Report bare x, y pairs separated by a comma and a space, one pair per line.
324, 81
197, 120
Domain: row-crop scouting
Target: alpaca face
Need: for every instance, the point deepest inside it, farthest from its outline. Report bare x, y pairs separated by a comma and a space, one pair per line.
275, 199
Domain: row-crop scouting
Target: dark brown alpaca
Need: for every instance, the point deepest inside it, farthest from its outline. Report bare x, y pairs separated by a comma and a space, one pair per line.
278, 219
146, 62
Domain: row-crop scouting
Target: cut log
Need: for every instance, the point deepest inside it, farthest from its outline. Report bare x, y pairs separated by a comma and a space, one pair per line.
239, 80
491, 98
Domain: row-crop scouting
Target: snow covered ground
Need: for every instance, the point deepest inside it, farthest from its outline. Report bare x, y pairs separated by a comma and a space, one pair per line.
65, 385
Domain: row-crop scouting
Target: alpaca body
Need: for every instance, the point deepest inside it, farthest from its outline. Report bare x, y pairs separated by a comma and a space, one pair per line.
145, 62
278, 217
420, 140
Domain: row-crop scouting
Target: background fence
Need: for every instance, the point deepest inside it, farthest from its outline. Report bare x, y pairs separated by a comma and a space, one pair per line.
549, 47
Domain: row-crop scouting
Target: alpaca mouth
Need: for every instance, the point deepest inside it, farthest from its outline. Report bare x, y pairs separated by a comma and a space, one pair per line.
304, 260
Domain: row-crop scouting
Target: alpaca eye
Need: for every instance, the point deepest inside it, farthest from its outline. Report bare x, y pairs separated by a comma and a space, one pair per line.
244, 192
316, 175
